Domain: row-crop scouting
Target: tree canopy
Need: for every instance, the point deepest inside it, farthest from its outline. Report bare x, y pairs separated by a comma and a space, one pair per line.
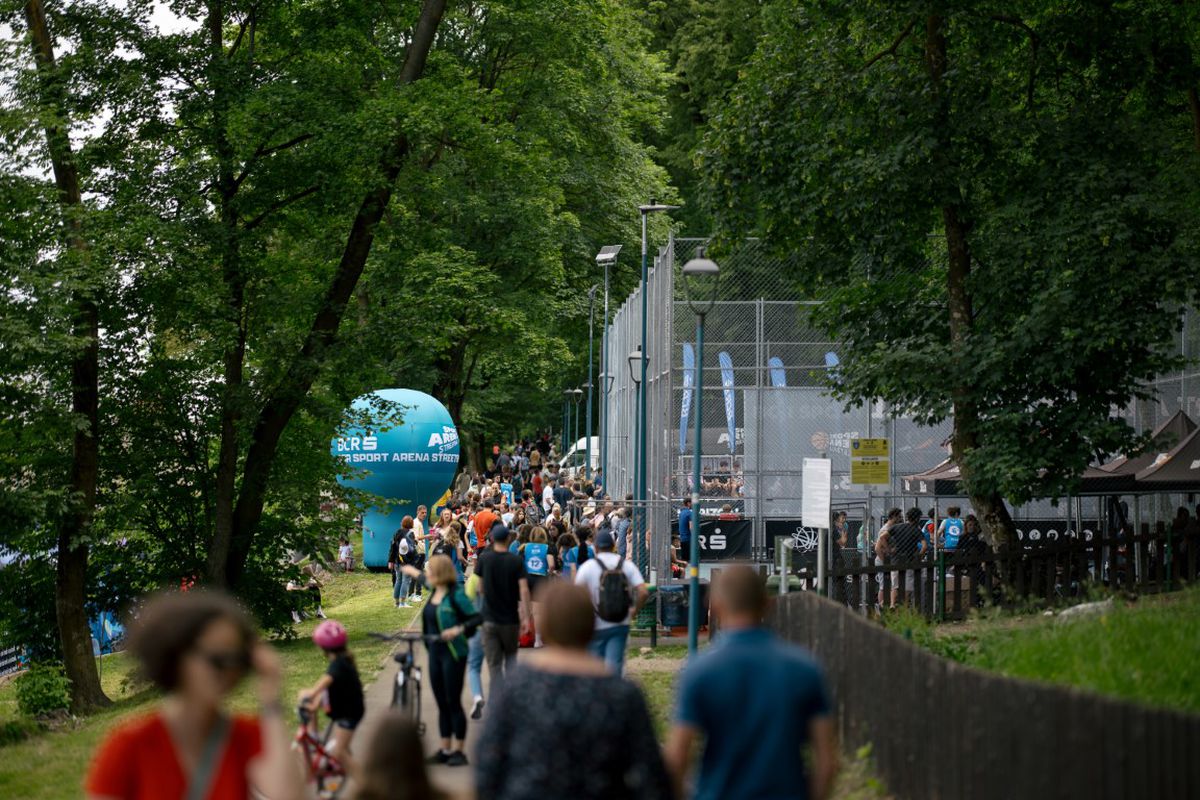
998, 209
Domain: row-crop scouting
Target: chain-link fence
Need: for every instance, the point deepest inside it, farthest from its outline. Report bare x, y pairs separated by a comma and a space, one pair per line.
764, 409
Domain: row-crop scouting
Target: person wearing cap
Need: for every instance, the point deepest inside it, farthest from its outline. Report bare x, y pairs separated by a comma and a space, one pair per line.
504, 586
610, 638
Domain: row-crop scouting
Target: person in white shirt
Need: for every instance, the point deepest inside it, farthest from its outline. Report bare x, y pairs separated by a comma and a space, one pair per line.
548, 496
610, 638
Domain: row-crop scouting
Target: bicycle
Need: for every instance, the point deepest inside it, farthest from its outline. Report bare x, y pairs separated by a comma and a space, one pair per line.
406, 690
323, 769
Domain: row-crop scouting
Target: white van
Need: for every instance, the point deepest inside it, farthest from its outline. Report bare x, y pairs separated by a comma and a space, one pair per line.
572, 462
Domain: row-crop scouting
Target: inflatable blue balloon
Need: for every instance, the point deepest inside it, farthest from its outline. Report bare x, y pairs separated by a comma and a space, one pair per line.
404, 448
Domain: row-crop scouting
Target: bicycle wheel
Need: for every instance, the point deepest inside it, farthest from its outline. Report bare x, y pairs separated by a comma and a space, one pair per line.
398, 691
414, 708
414, 705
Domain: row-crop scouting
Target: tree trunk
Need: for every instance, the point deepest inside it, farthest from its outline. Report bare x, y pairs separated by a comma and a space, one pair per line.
303, 370
71, 571
235, 292
996, 522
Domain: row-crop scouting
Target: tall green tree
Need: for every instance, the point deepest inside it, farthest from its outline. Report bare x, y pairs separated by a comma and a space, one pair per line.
74, 524
996, 205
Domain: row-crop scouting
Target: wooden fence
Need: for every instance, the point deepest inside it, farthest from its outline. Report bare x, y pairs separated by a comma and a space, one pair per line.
1048, 572
939, 729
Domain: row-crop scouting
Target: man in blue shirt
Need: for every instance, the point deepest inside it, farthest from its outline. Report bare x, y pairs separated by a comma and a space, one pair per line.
757, 702
685, 524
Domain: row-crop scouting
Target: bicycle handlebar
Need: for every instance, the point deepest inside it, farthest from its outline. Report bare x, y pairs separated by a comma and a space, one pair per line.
404, 636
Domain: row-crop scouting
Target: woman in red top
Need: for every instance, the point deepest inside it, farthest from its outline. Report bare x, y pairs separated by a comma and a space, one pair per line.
197, 647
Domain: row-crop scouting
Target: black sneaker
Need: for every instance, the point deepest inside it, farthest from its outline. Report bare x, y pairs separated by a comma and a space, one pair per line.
477, 709
440, 757
457, 759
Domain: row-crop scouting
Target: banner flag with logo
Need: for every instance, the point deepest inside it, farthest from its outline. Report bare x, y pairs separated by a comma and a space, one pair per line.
778, 376
685, 409
730, 400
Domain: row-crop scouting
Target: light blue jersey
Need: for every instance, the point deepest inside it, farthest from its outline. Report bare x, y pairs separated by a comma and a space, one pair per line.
953, 530
536, 562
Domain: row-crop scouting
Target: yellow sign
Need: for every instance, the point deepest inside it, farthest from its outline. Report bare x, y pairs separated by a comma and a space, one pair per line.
868, 447
869, 462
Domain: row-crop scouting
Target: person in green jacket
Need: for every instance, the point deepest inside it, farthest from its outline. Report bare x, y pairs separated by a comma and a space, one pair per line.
451, 616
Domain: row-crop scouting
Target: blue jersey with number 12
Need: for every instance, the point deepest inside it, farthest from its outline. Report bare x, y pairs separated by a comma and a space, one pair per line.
535, 558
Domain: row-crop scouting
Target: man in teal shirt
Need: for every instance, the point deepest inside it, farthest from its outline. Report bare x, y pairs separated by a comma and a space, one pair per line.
757, 702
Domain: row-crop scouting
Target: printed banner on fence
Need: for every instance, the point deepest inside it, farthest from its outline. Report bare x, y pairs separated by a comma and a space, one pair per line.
725, 539
778, 376
730, 400
685, 408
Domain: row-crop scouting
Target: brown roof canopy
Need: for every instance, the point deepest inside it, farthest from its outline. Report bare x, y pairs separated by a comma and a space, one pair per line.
1166, 436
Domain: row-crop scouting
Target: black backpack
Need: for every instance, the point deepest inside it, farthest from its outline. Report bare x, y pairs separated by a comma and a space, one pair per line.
615, 598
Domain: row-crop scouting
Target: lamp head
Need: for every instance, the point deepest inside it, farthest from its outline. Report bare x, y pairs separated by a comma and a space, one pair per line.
701, 277
635, 365
608, 254
654, 206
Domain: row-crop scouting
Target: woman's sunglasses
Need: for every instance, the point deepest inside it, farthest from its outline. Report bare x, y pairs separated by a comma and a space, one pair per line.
238, 661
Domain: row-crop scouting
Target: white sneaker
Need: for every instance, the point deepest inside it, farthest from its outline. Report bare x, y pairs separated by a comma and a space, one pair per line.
403, 604
296, 617
414, 598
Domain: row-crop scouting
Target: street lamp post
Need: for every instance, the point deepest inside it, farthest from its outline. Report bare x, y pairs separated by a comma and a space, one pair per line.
652, 207
607, 256
700, 279
566, 436
587, 464
576, 396
606, 384
635, 375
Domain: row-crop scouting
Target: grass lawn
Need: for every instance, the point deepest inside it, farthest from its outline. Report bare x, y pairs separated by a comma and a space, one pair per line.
52, 764
1145, 651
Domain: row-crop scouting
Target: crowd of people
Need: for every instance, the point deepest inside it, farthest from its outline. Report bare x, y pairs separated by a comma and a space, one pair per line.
523, 555
563, 722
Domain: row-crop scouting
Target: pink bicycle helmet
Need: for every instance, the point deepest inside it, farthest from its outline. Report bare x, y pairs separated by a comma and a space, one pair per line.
330, 635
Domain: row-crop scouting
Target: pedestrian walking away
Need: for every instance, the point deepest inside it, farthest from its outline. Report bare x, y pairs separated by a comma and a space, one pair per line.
506, 603
393, 765
756, 702
618, 592
563, 726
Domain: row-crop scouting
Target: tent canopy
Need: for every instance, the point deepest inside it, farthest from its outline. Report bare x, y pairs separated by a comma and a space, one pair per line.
941, 481
1178, 468
1166, 436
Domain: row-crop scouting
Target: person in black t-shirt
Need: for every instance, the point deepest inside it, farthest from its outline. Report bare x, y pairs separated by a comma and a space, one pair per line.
504, 585
905, 543
563, 496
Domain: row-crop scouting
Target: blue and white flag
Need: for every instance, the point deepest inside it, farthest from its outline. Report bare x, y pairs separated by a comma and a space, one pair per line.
730, 407
778, 376
685, 409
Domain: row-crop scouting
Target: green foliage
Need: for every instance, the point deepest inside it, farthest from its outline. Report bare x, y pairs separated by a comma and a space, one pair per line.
220, 183
1059, 136
16, 730
1145, 652
44, 689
